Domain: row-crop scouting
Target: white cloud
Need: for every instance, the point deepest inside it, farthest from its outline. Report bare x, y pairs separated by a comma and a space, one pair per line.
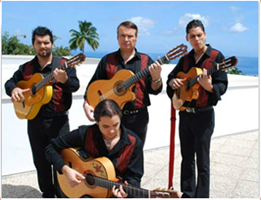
186, 18
238, 28
144, 25
234, 8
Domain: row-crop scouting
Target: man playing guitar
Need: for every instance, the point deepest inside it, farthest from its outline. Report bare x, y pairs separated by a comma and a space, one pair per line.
135, 113
197, 120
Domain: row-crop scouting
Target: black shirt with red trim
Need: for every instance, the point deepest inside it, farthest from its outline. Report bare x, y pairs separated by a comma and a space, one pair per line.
114, 62
62, 93
81, 138
219, 78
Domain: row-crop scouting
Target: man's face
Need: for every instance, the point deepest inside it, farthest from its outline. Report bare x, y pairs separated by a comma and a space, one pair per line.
109, 126
43, 45
196, 37
126, 38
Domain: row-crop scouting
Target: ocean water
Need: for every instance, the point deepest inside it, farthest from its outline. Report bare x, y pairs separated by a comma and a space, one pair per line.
248, 65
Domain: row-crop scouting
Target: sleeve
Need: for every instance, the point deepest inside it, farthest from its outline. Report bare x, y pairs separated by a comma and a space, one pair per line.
219, 82
73, 83
135, 169
149, 79
172, 75
11, 83
100, 73
75, 138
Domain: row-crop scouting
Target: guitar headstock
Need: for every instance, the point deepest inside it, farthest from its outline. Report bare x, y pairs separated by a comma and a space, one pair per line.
227, 63
160, 193
79, 58
177, 52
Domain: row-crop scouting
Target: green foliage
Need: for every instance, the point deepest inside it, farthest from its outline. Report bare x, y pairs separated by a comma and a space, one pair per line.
62, 51
235, 71
87, 33
12, 46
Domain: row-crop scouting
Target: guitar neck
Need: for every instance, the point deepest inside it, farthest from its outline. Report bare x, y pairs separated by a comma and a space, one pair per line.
143, 73
143, 193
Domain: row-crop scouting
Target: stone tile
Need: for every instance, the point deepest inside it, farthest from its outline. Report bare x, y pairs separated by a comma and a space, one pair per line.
229, 159
221, 186
234, 149
230, 171
250, 175
249, 136
250, 163
247, 189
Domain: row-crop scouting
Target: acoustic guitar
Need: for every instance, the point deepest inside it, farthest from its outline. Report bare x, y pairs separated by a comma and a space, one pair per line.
189, 91
100, 178
41, 91
119, 87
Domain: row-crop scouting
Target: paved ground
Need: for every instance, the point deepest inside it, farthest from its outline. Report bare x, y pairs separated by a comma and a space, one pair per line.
234, 170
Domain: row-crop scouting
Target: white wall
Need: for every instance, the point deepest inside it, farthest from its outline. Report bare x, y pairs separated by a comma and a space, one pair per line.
236, 113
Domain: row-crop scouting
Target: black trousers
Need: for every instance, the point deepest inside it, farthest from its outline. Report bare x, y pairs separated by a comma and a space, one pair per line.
40, 132
195, 131
137, 122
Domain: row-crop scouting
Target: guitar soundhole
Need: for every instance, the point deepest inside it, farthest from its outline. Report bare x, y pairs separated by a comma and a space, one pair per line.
90, 179
119, 88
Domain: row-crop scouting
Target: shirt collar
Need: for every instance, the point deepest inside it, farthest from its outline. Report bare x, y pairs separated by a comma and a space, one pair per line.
124, 135
137, 55
207, 52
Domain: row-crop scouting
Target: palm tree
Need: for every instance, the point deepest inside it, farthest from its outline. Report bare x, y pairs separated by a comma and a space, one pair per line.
87, 33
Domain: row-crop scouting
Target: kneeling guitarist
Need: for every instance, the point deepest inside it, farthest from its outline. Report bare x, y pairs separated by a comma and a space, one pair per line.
196, 114
135, 113
107, 138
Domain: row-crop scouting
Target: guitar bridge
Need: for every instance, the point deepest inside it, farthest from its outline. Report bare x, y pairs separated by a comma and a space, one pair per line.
100, 94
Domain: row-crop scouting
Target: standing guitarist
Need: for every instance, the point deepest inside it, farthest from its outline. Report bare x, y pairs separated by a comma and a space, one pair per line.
135, 113
52, 119
197, 121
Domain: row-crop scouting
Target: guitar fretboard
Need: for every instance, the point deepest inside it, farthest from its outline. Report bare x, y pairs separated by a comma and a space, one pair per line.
48, 78
129, 82
217, 66
137, 192
70, 63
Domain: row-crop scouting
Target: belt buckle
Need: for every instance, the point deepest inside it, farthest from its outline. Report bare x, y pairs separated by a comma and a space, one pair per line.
191, 110
126, 112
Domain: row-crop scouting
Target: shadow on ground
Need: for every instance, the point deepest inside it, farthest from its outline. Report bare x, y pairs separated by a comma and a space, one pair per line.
19, 191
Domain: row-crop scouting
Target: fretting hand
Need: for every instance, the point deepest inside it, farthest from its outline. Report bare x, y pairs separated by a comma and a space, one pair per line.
205, 81
60, 75
119, 192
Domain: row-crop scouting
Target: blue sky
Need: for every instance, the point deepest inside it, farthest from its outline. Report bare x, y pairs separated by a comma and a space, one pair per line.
231, 26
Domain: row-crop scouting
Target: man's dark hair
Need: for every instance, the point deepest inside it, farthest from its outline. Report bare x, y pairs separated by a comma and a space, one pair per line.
194, 24
128, 24
42, 31
108, 108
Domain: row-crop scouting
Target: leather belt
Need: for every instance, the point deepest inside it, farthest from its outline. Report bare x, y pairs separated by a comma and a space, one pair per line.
198, 109
130, 112
51, 115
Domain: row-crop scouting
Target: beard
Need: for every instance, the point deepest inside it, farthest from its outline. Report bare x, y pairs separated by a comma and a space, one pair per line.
45, 54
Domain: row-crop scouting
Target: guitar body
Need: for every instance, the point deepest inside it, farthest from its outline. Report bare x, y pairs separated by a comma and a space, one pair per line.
99, 167
107, 89
32, 103
184, 95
